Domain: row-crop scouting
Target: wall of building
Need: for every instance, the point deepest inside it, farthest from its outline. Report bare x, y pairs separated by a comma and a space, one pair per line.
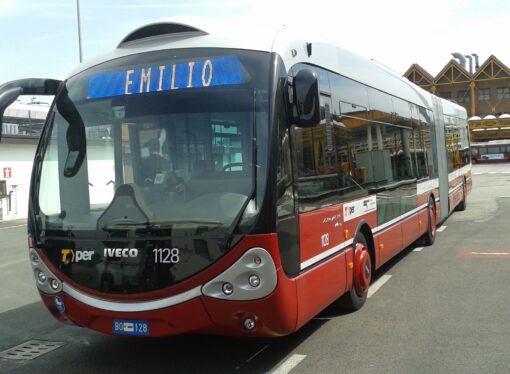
15, 169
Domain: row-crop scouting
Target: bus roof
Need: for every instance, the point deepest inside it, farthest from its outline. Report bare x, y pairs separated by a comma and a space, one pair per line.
290, 44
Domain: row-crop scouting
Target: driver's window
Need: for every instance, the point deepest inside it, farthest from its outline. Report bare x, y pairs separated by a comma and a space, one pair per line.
227, 147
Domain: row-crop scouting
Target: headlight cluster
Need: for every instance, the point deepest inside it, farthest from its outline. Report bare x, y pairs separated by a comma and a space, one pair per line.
46, 281
251, 277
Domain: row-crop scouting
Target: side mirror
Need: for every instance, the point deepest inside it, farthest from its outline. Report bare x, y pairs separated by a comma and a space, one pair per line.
75, 135
10, 91
306, 98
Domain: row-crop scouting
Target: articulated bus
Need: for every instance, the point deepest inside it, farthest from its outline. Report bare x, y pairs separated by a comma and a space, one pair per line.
192, 181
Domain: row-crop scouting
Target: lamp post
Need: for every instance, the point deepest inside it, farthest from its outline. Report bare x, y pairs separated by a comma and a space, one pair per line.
79, 28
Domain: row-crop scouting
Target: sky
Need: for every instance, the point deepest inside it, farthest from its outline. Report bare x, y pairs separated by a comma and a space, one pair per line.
39, 39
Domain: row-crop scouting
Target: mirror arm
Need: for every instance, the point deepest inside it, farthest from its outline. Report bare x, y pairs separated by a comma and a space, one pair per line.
10, 91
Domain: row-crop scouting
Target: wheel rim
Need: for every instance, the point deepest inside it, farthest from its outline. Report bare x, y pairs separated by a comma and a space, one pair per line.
363, 269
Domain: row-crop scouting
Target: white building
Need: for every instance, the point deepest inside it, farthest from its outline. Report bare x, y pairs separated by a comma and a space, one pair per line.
21, 130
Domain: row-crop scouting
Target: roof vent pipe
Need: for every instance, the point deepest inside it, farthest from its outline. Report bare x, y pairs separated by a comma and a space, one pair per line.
461, 58
470, 63
477, 65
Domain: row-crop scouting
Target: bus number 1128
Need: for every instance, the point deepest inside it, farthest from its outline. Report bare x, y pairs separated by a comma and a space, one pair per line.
166, 255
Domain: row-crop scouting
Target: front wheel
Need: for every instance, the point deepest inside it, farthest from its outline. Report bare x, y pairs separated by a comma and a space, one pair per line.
356, 297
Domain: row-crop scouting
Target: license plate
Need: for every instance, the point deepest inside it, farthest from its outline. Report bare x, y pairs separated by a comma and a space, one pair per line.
130, 327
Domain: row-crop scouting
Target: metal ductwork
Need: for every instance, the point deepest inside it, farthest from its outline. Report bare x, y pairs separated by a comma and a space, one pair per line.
460, 57
470, 63
477, 64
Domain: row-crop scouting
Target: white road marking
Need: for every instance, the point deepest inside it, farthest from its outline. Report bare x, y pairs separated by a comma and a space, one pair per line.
419, 249
441, 229
289, 364
378, 284
12, 227
503, 197
7, 264
491, 253
492, 172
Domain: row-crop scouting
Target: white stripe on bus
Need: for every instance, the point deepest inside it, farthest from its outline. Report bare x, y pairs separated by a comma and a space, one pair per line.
131, 306
323, 255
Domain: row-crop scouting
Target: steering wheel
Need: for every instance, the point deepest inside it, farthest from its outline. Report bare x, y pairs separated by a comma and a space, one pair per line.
232, 165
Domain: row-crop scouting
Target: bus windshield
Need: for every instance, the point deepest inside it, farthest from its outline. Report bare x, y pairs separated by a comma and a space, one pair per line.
156, 141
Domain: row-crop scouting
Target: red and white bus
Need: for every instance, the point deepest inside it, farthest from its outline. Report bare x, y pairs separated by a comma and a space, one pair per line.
196, 182
491, 151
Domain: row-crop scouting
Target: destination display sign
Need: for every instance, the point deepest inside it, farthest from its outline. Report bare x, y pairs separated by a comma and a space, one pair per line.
214, 71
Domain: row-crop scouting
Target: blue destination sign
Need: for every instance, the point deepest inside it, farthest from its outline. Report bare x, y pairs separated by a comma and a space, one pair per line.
217, 71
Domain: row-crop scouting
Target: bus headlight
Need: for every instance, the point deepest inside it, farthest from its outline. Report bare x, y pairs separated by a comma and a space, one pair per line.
54, 284
251, 277
41, 277
227, 288
254, 280
34, 259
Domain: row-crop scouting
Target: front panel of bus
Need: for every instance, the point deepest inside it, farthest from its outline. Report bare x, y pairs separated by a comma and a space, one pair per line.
152, 167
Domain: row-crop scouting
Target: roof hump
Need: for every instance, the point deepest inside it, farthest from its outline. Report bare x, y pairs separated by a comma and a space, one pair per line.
161, 28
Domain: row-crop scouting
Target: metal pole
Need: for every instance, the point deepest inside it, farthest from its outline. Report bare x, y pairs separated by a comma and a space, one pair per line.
79, 28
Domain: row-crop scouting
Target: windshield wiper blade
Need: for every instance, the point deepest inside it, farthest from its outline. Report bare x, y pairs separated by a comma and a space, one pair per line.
126, 224
169, 223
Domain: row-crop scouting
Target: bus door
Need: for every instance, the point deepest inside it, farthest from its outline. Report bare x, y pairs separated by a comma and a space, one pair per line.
442, 161
320, 214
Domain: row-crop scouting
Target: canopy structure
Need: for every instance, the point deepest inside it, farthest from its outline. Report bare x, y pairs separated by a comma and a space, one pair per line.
25, 120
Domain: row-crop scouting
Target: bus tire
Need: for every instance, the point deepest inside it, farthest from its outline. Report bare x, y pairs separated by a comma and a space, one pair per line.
356, 297
463, 204
430, 236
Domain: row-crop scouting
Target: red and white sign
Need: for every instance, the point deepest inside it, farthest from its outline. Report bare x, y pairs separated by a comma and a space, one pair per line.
7, 173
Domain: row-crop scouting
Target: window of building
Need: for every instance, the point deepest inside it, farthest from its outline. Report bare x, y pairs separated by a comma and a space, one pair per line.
446, 95
503, 93
463, 97
484, 94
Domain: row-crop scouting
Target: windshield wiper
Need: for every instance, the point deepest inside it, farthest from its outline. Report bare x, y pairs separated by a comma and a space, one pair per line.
127, 224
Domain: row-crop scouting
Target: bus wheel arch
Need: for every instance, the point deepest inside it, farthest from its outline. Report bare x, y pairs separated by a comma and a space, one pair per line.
367, 233
430, 235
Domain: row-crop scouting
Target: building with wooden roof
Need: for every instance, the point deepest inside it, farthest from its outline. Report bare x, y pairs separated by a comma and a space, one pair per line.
484, 91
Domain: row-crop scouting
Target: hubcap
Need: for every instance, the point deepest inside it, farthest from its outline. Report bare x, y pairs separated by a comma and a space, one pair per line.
363, 270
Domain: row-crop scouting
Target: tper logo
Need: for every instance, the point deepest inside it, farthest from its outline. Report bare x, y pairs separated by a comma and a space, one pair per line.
71, 256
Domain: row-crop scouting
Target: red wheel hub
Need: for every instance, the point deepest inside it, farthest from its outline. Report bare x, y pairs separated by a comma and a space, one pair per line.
362, 269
